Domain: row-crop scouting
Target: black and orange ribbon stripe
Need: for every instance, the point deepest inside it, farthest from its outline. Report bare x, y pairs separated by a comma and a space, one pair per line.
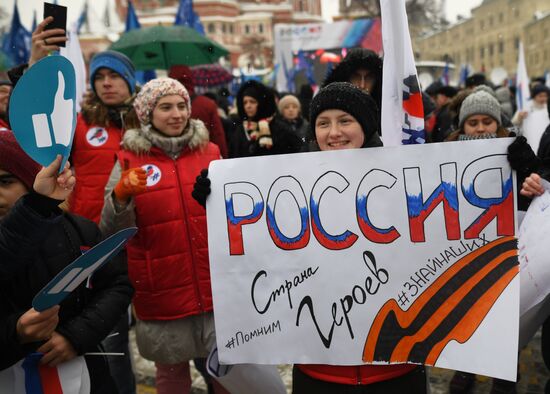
451, 308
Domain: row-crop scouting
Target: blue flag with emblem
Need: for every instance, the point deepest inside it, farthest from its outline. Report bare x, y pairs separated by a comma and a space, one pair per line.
185, 16
17, 42
82, 19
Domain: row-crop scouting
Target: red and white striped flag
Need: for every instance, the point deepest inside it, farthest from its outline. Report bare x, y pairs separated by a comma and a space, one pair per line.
402, 109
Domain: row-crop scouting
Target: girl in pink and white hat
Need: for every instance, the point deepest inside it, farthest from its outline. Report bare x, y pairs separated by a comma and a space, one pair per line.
150, 186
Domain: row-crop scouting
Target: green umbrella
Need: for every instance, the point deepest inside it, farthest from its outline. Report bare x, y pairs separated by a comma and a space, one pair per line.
159, 47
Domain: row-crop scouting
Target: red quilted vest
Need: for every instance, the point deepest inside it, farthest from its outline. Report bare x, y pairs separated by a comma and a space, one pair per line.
168, 258
355, 375
93, 157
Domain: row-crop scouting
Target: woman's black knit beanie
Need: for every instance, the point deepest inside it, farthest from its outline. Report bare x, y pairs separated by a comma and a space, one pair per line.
348, 98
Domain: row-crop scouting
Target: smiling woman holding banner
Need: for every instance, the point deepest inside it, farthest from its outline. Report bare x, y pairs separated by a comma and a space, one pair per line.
344, 117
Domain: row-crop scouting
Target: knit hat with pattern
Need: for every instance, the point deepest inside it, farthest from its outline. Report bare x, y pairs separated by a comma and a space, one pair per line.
152, 92
479, 103
348, 98
15, 161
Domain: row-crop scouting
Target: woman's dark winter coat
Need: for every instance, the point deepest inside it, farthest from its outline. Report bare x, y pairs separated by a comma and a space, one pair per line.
298, 127
284, 139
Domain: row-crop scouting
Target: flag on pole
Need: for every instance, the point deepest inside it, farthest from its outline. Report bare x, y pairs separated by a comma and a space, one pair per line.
132, 23
402, 109
445, 74
303, 64
34, 23
107, 16
17, 42
464, 72
522, 81
185, 16
83, 19
73, 53
547, 77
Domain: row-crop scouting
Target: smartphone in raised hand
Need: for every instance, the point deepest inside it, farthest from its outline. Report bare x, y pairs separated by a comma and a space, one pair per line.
59, 14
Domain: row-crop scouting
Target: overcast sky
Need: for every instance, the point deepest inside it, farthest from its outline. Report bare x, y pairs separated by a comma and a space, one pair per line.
26, 8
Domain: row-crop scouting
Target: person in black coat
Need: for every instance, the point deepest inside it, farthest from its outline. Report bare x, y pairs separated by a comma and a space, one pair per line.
290, 117
257, 135
363, 68
88, 314
443, 117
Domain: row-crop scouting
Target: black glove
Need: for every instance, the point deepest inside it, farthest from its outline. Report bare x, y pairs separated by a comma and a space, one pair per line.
201, 188
521, 156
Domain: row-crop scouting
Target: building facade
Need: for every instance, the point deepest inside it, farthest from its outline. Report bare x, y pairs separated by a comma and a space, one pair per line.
245, 28
537, 44
490, 38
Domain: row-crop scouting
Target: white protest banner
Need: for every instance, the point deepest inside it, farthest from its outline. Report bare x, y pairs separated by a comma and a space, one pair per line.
533, 251
534, 125
370, 255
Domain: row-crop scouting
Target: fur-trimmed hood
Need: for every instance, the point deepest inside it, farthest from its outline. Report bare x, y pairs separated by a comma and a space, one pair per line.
194, 137
262, 94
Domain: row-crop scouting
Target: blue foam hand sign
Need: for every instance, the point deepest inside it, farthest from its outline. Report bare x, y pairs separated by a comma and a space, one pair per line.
81, 269
43, 110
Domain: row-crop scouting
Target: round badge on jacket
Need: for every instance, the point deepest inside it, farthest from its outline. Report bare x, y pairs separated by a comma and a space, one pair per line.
153, 174
97, 136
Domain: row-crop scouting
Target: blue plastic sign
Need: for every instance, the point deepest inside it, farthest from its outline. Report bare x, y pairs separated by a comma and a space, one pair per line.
81, 269
43, 109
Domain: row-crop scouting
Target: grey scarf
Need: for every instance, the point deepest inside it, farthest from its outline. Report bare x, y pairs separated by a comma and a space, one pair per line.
172, 146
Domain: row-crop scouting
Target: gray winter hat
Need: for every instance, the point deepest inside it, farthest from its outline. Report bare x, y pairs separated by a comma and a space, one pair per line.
479, 103
485, 88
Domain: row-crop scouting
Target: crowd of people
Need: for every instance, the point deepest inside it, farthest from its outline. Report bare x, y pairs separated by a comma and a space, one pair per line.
164, 271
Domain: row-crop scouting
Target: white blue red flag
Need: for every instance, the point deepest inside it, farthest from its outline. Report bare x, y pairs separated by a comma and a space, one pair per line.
464, 72
402, 109
445, 75
522, 81
28, 376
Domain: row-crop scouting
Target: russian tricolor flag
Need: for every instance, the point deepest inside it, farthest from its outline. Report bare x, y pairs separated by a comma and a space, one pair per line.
402, 109
28, 376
